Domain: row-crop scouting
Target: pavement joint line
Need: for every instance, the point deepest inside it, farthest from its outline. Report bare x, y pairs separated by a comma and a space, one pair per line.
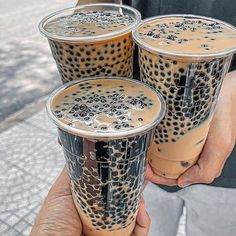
30, 152
9, 227
22, 219
30, 212
34, 176
23, 114
38, 127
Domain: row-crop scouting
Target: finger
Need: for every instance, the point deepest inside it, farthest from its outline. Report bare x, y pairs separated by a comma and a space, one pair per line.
208, 167
151, 176
142, 221
204, 171
211, 161
61, 187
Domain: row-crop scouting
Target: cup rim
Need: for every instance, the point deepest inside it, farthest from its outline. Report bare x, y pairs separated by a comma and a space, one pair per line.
104, 136
95, 38
195, 56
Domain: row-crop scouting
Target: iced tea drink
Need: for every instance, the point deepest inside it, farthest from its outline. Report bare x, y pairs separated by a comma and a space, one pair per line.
105, 127
186, 59
92, 40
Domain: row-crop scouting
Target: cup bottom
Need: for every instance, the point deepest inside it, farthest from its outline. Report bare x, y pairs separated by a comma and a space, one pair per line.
89, 230
168, 168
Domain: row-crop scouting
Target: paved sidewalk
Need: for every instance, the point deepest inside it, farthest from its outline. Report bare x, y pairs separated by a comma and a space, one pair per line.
30, 161
27, 68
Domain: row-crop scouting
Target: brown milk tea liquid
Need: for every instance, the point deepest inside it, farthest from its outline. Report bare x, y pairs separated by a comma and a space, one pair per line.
190, 85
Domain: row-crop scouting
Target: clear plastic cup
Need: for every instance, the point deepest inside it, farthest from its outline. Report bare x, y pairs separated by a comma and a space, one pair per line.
91, 49
106, 168
189, 81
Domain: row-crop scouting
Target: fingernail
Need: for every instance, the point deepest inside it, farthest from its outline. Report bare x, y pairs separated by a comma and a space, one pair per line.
184, 185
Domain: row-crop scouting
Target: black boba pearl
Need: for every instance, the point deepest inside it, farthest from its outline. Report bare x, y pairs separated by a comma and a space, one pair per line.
86, 118
184, 163
88, 71
82, 107
162, 74
118, 113
176, 75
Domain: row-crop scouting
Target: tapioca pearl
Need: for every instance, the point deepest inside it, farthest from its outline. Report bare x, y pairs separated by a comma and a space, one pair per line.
181, 70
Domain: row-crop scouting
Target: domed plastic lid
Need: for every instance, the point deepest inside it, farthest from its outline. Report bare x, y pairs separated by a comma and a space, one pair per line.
186, 36
90, 22
101, 108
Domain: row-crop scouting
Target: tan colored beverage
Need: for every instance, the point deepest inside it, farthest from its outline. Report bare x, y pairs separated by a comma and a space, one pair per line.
105, 134
186, 59
92, 40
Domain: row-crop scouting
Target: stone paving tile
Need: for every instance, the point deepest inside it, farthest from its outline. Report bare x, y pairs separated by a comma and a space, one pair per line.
30, 161
42, 121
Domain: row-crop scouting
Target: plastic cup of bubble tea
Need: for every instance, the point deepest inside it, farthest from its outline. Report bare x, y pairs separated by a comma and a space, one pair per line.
186, 58
105, 127
92, 40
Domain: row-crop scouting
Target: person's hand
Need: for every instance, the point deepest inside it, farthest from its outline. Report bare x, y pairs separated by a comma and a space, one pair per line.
219, 144
154, 178
58, 215
220, 141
